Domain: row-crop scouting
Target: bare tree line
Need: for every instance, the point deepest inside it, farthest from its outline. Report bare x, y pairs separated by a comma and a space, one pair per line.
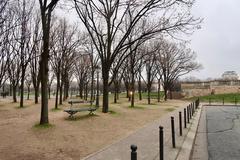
129, 41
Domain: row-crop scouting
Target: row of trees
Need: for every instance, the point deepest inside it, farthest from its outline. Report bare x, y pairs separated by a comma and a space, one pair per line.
130, 41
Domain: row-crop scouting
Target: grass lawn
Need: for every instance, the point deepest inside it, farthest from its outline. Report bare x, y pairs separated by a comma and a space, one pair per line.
227, 98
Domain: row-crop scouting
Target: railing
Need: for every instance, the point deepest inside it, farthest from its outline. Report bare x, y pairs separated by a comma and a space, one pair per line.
223, 101
188, 113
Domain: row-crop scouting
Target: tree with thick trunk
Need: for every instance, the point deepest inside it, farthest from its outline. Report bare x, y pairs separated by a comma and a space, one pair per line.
46, 8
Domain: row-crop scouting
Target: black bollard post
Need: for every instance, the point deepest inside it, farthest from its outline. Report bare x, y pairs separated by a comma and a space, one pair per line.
180, 123
193, 108
161, 142
133, 152
188, 114
173, 132
185, 118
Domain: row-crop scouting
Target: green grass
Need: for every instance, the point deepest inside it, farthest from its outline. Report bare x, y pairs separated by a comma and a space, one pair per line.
113, 112
153, 95
136, 107
55, 110
18, 107
228, 98
43, 126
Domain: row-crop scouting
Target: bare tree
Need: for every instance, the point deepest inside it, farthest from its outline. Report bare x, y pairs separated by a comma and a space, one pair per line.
175, 60
7, 20
150, 66
46, 8
81, 71
63, 44
35, 56
104, 20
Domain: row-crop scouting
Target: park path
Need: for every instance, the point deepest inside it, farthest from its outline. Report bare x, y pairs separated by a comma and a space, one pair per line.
147, 141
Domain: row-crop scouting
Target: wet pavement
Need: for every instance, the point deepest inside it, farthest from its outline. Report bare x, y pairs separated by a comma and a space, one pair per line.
223, 132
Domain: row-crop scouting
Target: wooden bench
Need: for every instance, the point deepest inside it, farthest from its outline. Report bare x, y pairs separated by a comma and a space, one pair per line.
73, 111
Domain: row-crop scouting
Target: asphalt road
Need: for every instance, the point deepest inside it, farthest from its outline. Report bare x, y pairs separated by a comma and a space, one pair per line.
223, 132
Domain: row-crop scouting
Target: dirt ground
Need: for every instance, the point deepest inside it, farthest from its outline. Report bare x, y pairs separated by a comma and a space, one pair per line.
70, 139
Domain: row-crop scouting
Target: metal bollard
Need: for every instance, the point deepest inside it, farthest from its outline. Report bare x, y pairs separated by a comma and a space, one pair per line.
185, 118
188, 115
133, 152
173, 132
193, 108
180, 123
190, 112
161, 142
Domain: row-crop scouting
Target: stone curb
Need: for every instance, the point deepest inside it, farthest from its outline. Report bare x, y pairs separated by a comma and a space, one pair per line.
187, 146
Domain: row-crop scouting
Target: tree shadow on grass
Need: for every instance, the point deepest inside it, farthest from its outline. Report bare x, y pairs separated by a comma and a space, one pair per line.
81, 117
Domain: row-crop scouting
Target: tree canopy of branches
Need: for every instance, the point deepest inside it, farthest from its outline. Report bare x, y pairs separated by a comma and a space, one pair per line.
104, 23
175, 60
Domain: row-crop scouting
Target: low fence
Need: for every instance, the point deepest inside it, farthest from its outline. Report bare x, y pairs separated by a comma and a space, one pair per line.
187, 115
224, 101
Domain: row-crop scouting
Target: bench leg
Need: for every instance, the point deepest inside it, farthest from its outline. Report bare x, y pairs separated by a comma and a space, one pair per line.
71, 115
91, 113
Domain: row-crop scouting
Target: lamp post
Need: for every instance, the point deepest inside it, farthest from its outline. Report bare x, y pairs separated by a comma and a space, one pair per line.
97, 96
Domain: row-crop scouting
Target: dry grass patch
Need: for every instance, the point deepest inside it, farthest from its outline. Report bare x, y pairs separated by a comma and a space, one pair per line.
77, 137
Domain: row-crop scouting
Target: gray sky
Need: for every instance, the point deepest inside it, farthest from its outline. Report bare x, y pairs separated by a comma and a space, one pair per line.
218, 42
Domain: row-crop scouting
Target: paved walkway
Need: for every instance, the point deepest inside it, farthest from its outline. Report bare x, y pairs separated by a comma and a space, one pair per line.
147, 141
200, 150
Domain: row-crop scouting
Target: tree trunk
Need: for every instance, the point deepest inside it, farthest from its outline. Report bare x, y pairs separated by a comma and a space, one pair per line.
92, 87
81, 89
115, 91
14, 93
49, 92
57, 89
86, 91
36, 94
165, 93
10, 88
158, 90
105, 91
149, 94
139, 88
28, 92
60, 94
44, 83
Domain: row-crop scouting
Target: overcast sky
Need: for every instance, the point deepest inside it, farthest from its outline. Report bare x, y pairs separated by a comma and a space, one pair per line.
218, 42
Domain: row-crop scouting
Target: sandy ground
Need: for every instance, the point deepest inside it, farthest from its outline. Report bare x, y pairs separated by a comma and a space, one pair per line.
70, 139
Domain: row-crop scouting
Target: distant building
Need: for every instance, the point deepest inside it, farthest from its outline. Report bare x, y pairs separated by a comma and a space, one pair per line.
230, 75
